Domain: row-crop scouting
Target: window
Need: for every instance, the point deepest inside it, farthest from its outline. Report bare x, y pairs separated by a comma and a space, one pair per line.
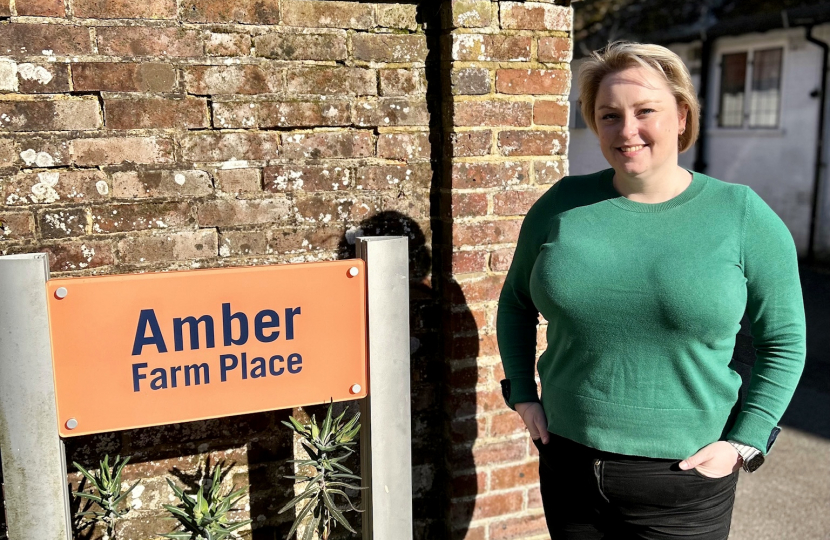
576, 121
760, 70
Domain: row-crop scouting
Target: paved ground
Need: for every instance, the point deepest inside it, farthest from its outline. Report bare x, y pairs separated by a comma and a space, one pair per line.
789, 497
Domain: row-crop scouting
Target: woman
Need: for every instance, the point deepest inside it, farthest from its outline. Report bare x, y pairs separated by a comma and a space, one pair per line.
643, 272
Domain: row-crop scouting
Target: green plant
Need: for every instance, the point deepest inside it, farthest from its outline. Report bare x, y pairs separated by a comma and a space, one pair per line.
106, 485
205, 516
327, 447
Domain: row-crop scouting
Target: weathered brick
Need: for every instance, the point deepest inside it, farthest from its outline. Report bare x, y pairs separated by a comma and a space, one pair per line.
220, 44
485, 506
327, 14
507, 423
243, 243
78, 255
164, 183
402, 82
281, 240
326, 208
390, 112
5, 9
486, 232
8, 75
143, 216
398, 16
225, 213
417, 175
533, 143
468, 205
490, 48
238, 180
124, 77
42, 78
413, 205
124, 9
333, 144
331, 46
230, 147
471, 143
515, 528
332, 80
284, 178
80, 114
154, 113
468, 484
534, 497
233, 79
470, 81
404, 146
500, 259
389, 47
486, 289
62, 223
533, 81
114, 150
16, 225
149, 41
8, 153
466, 430
492, 113
534, 16
555, 49
514, 476
40, 8
19, 39
467, 532
281, 114
467, 262
550, 113
52, 186
50, 150
550, 172
470, 13
487, 175
243, 11
176, 246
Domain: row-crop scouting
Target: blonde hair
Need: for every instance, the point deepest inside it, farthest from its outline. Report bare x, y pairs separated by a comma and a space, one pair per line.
621, 55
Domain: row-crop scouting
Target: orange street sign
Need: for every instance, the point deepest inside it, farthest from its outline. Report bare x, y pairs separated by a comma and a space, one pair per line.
149, 349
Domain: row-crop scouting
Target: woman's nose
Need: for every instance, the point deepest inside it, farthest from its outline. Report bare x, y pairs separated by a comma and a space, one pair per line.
629, 126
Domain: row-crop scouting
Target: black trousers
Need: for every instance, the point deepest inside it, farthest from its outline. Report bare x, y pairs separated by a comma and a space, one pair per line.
593, 495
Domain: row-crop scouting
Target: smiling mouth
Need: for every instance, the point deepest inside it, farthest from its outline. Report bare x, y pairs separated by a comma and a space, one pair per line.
631, 149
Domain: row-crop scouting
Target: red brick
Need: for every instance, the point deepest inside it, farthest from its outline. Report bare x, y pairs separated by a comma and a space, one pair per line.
156, 113
219, 146
160, 183
518, 527
486, 289
78, 255
40, 8
8, 152
42, 78
5, 9
221, 44
533, 81
284, 178
225, 213
492, 113
470, 13
124, 9
391, 112
266, 114
62, 223
174, 246
468, 205
470, 320
470, 81
402, 82
282, 241
79, 114
233, 79
333, 144
486, 232
327, 14
114, 150
486, 506
533, 143
398, 16
418, 175
238, 180
490, 48
555, 49
514, 203
550, 172
46, 150
331, 46
243, 11
500, 259
53, 186
464, 378
332, 80
18, 39
550, 113
124, 77
487, 175
468, 484
143, 216
404, 146
149, 41
467, 430
325, 208
471, 143
514, 476
507, 423
389, 47
534, 498
535, 16
469, 533
414, 205
16, 225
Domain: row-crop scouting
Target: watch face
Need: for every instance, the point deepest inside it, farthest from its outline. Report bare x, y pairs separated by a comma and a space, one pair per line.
753, 464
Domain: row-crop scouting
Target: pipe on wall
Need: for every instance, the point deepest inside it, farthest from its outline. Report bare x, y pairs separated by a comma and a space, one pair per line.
819, 165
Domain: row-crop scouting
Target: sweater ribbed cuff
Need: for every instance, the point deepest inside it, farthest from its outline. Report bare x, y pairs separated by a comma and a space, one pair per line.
752, 430
520, 390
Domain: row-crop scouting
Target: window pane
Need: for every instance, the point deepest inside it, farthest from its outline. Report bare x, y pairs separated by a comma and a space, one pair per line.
765, 99
732, 89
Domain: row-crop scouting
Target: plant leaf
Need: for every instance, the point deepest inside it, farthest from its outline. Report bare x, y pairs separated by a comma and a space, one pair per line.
335, 513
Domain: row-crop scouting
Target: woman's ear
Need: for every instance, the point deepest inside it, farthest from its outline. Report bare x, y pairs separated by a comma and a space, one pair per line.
682, 113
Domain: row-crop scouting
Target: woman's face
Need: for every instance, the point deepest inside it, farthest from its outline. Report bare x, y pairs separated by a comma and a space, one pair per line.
638, 124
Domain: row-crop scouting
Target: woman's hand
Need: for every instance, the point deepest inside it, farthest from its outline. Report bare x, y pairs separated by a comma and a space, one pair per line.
534, 418
715, 460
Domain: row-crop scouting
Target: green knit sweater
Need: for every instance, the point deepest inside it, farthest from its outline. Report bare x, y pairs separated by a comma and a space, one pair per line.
643, 302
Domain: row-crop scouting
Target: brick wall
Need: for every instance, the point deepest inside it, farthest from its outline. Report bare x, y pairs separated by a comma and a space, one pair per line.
178, 134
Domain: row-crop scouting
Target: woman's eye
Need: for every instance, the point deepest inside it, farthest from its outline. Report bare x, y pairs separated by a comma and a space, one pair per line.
647, 111
609, 116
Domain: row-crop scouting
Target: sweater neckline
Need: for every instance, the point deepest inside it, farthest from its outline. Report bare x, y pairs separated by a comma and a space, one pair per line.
695, 187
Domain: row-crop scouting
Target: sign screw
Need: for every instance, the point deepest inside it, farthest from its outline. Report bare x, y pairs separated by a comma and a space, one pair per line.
356, 388
61, 292
71, 423
353, 271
